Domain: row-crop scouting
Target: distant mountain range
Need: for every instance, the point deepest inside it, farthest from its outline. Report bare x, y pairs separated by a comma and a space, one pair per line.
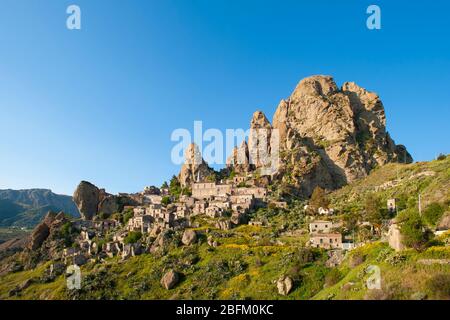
26, 208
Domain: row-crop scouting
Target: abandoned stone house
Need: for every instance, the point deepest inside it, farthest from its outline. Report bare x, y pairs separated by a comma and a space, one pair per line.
154, 210
326, 240
140, 223
152, 198
206, 190
391, 205
214, 211
224, 205
200, 207
139, 211
188, 201
320, 226
241, 207
182, 211
257, 192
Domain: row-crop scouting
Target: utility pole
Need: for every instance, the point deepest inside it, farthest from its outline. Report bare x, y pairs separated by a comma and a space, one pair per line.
420, 205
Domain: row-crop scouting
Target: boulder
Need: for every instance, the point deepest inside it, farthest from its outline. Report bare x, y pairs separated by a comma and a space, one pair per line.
284, 285
170, 279
189, 237
87, 198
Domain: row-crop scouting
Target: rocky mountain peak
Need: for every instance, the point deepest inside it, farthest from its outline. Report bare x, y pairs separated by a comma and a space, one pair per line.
194, 168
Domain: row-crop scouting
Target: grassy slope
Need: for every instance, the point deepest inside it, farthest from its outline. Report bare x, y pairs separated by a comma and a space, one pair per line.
249, 259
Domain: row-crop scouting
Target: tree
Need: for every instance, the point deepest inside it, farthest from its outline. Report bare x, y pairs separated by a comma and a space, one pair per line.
319, 199
165, 200
164, 185
374, 211
415, 234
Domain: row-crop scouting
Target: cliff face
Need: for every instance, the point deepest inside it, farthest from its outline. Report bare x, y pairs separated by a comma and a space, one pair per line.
328, 136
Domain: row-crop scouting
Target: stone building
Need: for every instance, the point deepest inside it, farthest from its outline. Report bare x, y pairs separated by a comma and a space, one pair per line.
320, 226
326, 240
214, 212
395, 237
140, 223
392, 205
206, 190
139, 211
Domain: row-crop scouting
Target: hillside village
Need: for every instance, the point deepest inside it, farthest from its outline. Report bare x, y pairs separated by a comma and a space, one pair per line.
343, 196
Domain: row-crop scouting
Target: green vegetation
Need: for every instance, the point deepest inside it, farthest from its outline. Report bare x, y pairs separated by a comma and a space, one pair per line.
133, 237
433, 213
319, 199
415, 234
249, 259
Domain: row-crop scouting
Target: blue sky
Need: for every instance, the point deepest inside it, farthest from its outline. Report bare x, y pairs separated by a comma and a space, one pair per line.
100, 104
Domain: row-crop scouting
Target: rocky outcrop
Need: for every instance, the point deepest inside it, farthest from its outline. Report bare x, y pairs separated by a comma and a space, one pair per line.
259, 140
326, 136
87, 198
239, 160
284, 285
332, 136
170, 279
194, 168
92, 201
189, 237
42, 231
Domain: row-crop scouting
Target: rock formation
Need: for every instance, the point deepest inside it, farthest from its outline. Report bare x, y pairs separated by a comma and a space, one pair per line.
170, 279
92, 201
189, 237
327, 136
239, 160
194, 167
87, 198
42, 231
284, 285
341, 129
259, 139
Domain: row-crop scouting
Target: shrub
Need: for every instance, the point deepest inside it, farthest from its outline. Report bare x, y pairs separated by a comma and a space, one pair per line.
441, 156
128, 215
165, 200
133, 237
415, 234
433, 213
